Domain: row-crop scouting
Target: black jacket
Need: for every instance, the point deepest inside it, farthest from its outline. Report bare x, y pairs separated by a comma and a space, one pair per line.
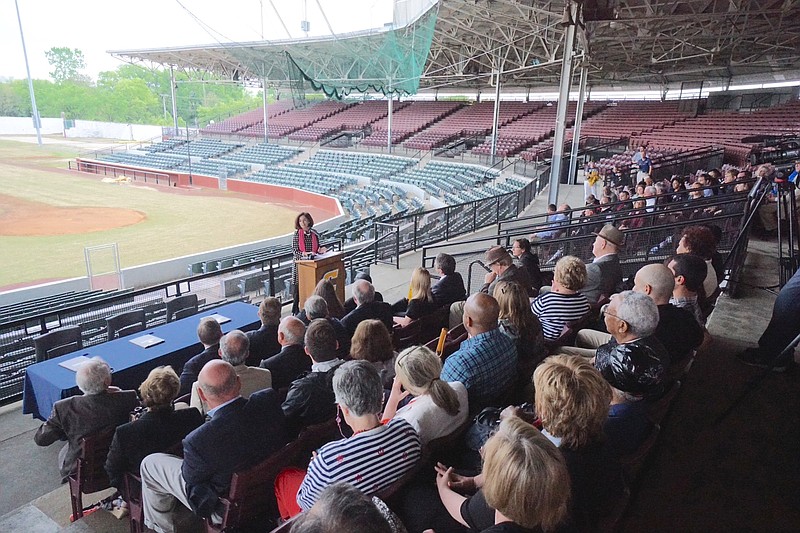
449, 289
193, 367
373, 310
310, 401
287, 365
263, 344
156, 431
531, 263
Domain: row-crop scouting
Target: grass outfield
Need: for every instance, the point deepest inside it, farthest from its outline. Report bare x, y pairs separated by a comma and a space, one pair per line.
176, 222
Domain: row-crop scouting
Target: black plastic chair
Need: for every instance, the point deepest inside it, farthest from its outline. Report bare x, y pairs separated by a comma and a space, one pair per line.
57, 343
125, 324
181, 307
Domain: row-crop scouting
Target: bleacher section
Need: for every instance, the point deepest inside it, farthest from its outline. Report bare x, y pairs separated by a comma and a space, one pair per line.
408, 121
447, 180
263, 154
357, 117
624, 119
245, 120
162, 146
289, 122
725, 129
204, 148
157, 160
302, 178
360, 164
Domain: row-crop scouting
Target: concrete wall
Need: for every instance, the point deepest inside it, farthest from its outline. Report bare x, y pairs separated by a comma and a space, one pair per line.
24, 126
113, 130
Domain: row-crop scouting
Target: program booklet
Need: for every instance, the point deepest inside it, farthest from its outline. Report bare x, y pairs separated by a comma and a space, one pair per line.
146, 341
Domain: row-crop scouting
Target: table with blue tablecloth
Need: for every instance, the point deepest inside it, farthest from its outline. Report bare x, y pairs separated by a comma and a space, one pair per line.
47, 382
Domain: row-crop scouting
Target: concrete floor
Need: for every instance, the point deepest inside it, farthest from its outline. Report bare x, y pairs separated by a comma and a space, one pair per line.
741, 474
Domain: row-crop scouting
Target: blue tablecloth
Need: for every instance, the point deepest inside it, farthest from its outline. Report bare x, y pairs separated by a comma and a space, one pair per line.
47, 382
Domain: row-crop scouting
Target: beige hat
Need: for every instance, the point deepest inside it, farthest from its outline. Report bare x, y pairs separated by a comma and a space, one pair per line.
611, 234
495, 254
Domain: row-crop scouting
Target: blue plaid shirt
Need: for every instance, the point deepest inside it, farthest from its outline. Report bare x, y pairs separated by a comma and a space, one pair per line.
487, 366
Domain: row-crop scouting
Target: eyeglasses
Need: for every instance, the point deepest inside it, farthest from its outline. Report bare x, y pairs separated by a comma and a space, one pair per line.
604, 310
339, 420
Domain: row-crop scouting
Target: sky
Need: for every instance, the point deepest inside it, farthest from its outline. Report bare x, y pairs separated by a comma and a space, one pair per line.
95, 26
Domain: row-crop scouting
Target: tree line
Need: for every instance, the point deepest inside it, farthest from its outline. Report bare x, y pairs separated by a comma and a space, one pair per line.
128, 94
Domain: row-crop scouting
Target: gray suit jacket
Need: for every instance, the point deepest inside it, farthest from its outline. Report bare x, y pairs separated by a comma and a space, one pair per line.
603, 276
78, 416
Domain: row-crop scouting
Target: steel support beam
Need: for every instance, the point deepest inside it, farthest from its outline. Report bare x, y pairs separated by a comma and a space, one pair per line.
266, 121
174, 100
389, 123
496, 115
576, 129
563, 103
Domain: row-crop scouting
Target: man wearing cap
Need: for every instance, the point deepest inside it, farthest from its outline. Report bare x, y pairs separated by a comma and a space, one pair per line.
503, 269
604, 274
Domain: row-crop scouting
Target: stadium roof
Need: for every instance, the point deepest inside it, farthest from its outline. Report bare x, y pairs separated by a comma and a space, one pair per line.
624, 43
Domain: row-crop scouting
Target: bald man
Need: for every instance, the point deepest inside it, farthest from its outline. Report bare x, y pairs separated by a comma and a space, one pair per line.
486, 363
291, 362
677, 328
239, 434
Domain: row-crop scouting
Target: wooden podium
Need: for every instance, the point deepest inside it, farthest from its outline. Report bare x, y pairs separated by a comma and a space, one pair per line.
324, 266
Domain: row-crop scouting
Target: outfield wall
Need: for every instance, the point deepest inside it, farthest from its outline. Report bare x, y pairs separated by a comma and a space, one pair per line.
24, 126
81, 129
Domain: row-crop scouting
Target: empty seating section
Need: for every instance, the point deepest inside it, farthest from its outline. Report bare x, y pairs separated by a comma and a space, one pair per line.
358, 163
263, 154
162, 146
245, 120
303, 178
470, 120
357, 117
205, 148
291, 121
157, 160
408, 121
439, 178
215, 167
725, 129
623, 119
532, 128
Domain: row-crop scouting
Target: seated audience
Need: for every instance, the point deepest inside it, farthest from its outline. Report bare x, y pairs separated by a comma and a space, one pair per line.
209, 333
677, 329
310, 398
291, 362
563, 303
518, 322
240, 434
159, 429
350, 303
557, 221
524, 486
486, 363
372, 459
450, 287
421, 303
690, 271
233, 349
372, 342
437, 408
342, 507
367, 307
604, 273
264, 341
100, 407
521, 250
699, 240
640, 217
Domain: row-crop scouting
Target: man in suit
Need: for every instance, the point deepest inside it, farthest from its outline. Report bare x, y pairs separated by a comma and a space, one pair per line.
240, 433
101, 407
316, 307
367, 308
233, 348
209, 333
264, 341
350, 303
291, 362
450, 287
310, 399
604, 274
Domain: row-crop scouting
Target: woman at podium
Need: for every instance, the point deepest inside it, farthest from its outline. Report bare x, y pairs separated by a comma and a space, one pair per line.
305, 245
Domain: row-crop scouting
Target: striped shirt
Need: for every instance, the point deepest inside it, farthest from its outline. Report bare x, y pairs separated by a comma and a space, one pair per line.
555, 310
371, 461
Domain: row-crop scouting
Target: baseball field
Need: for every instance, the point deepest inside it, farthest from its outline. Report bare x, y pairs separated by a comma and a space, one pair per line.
48, 214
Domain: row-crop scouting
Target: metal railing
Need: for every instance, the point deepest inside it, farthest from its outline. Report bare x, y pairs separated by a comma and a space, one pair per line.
146, 176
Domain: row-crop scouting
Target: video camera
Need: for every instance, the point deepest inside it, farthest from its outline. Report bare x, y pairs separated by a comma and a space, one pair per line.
775, 149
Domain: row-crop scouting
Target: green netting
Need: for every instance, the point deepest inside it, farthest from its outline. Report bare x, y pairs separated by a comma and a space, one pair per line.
386, 62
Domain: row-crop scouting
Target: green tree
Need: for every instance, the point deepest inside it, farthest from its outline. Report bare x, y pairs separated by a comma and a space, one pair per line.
66, 63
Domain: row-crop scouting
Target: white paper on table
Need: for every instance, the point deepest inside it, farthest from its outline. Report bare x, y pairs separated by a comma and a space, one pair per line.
74, 363
146, 341
219, 318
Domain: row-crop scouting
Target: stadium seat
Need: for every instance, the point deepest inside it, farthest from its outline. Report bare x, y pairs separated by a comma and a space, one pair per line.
125, 324
181, 307
90, 475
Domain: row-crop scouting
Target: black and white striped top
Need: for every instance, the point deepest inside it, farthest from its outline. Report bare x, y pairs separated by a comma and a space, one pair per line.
555, 309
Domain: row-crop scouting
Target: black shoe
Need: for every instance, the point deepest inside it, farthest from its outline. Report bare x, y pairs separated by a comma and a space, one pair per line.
753, 357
